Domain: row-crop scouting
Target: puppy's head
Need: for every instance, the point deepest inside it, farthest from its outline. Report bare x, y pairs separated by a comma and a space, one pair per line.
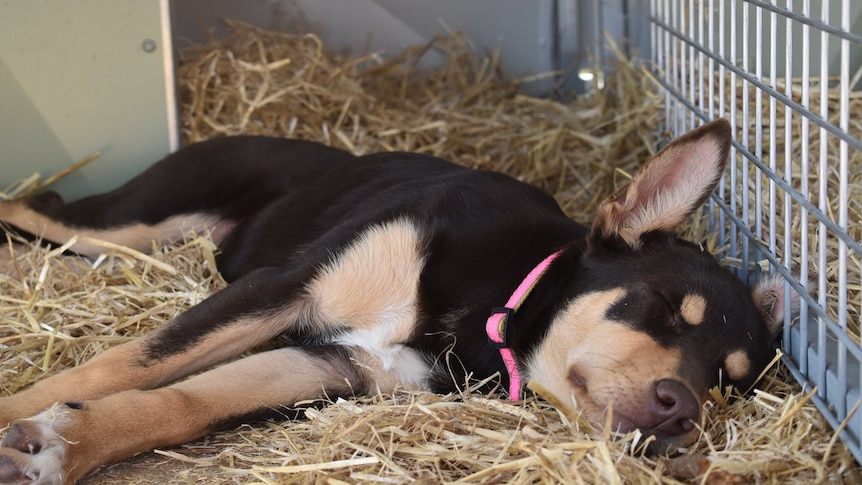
655, 321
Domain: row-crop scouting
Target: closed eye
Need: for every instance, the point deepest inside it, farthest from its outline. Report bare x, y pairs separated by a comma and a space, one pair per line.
676, 318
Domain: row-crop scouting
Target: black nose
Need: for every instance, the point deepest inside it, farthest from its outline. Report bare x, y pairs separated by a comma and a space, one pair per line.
675, 408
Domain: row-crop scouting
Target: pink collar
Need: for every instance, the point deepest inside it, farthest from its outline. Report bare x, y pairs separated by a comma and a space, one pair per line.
501, 318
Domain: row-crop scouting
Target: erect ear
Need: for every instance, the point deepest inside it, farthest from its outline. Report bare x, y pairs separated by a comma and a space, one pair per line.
668, 189
769, 298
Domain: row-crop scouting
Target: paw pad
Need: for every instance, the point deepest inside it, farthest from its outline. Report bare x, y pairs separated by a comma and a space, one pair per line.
17, 439
10, 472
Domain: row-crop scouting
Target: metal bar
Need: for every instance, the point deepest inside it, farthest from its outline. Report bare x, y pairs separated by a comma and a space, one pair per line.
700, 62
843, 189
758, 121
599, 63
690, 59
655, 39
842, 33
788, 170
810, 208
773, 121
802, 110
833, 327
683, 69
843, 195
803, 176
168, 64
823, 205
667, 67
722, 187
734, 249
825, 409
710, 25
657, 44
674, 15
711, 63
746, 139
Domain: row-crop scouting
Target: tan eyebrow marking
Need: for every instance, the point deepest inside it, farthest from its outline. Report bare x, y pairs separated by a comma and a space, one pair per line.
693, 309
737, 364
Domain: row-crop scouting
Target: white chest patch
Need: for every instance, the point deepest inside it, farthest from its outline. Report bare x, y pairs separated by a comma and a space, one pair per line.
408, 365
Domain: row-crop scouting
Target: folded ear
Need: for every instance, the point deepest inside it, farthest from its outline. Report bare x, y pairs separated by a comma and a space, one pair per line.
668, 189
769, 298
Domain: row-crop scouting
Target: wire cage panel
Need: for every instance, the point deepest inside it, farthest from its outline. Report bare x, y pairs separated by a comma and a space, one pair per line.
786, 74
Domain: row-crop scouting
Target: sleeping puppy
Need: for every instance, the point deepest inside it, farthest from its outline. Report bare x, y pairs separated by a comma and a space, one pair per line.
384, 270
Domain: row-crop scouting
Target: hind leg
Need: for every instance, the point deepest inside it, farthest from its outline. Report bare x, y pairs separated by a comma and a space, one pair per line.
135, 235
211, 186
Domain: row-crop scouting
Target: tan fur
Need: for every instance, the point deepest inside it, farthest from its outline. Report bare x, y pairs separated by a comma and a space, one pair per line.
373, 282
737, 364
136, 236
608, 356
693, 309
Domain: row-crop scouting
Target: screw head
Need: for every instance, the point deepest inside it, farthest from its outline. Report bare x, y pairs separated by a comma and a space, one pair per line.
149, 45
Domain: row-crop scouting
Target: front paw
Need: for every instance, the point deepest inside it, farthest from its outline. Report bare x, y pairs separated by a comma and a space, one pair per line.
33, 452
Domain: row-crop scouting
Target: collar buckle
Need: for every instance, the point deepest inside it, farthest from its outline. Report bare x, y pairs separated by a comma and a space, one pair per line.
500, 338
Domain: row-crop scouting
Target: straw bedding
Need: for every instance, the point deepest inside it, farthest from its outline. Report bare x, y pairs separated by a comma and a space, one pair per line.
57, 311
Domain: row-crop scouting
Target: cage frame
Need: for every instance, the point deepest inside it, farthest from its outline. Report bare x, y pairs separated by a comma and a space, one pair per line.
702, 79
